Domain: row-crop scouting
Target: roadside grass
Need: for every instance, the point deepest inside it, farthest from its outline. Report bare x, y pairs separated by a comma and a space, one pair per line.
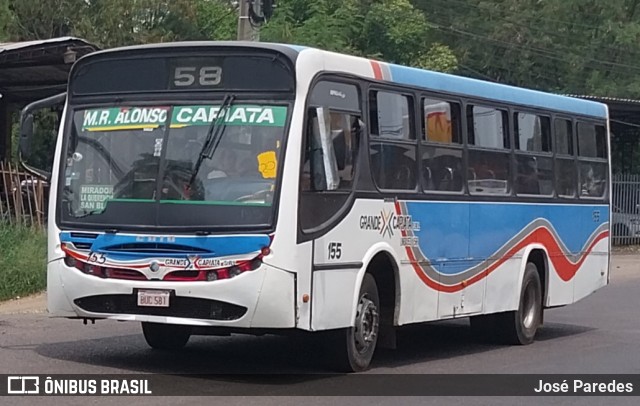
23, 261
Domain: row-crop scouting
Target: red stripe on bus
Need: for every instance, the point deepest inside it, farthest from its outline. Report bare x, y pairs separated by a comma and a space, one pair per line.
565, 269
377, 70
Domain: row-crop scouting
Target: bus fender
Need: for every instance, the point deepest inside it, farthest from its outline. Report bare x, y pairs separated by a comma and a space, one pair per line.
523, 264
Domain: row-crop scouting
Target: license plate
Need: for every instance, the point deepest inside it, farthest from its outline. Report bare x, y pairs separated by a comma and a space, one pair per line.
153, 298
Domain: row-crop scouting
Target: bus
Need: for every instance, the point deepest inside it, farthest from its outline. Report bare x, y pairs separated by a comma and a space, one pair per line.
231, 187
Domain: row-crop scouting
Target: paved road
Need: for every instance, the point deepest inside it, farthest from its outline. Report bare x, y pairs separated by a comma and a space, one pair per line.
600, 334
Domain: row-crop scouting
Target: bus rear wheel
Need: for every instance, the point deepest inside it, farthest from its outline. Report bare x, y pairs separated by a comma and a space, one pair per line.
166, 336
352, 348
517, 327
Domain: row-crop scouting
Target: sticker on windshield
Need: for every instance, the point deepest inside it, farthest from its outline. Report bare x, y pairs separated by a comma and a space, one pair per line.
267, 164
148, 118
94, 197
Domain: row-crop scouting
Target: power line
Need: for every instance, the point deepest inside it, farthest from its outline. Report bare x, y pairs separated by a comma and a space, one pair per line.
539, 51
562, 22
495, 66
625, 123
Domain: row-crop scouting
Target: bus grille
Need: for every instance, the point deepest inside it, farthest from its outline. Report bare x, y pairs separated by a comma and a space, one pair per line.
187, 307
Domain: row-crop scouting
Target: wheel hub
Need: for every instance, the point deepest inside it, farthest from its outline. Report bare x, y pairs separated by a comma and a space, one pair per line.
366, 326
529, 313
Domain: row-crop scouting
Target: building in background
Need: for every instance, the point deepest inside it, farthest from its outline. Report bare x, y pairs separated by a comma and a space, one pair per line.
30, 71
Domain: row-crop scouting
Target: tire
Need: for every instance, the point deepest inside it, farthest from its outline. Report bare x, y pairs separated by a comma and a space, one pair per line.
352, 348
516, 327
520, 327
166, 336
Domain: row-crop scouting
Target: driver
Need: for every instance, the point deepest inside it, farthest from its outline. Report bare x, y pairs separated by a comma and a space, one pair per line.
228, 166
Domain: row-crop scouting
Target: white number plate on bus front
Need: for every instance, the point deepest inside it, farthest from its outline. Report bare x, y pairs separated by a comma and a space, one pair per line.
153, 298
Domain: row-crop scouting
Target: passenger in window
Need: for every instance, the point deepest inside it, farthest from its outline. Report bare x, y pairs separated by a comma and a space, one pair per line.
226, 167
528, 176
590, 183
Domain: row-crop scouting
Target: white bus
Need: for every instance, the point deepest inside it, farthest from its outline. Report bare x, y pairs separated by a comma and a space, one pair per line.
215, 187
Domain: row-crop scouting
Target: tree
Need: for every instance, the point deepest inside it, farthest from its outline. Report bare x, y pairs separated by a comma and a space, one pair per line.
5, 19
386, 29
566, 46
111, 23
43, 19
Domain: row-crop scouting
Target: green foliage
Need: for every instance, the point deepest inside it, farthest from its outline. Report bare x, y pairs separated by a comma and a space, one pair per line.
216, 20
43, 18
388, 29
111, 23
23, 261
385, 29
567, 46
5, 19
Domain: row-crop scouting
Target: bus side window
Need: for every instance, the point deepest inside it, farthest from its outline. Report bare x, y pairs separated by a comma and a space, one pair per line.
392, 147
489, 158
592, 160
565, 165
442, 149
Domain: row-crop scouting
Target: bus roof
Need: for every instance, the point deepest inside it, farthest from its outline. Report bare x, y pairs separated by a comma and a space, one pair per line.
463, 86
436, 81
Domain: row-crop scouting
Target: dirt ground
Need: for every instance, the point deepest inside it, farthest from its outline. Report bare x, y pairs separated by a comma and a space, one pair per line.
31, 304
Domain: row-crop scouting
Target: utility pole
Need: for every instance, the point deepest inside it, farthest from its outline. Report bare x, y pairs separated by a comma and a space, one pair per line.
246, 30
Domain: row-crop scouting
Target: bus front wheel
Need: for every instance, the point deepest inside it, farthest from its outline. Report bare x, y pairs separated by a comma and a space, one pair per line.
352, 348
166, 336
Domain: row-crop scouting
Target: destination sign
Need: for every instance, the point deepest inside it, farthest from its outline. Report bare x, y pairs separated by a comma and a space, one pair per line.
119, 118
116, 74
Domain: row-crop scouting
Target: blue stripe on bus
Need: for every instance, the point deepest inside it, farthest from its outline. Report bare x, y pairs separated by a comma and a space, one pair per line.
468, 233
214, 246
298, 48
466, 86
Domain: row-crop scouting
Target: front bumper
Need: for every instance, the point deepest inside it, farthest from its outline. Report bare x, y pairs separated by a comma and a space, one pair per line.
263, 298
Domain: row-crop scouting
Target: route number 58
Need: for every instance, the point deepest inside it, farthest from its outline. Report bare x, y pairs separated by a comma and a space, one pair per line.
185, 76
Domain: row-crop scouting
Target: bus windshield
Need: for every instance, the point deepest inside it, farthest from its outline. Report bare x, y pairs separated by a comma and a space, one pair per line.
126, 159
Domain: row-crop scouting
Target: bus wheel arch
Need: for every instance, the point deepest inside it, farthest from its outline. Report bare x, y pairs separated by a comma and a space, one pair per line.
519, 326
539, 257
375, 304
384, 270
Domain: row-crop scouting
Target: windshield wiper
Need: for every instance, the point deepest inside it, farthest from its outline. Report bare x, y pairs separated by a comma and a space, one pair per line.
214, 135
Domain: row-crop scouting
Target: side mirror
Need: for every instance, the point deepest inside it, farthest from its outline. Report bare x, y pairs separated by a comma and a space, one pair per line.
26, 135
323, 139
27, 130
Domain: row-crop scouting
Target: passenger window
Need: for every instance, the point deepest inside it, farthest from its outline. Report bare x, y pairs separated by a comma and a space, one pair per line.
442, 169
533, 133
564, 136
487, 127
392, 146
566, 177
488, 173
393, 165
591, 141
390, 115
441, 121
593, 179
534, 175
